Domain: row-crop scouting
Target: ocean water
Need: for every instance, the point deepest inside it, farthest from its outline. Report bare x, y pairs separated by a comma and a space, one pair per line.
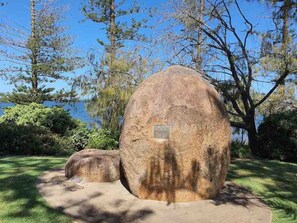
77, 110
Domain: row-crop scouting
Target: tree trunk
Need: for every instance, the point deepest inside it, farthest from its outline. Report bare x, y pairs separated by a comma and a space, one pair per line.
200, 32
253, 141
34, 78
285, 29
252, 133
33, 24
112, 30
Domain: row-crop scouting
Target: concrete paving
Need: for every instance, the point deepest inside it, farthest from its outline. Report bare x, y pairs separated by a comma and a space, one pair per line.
113, 203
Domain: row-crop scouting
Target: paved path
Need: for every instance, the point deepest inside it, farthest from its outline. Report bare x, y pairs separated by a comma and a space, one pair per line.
112, 203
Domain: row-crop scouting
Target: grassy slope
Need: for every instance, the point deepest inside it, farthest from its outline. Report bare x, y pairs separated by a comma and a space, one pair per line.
19, 198
273, 181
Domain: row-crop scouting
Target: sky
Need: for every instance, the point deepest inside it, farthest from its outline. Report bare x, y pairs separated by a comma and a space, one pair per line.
86, 32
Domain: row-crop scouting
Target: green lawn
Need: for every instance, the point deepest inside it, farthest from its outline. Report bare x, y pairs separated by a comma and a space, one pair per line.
275, 182
19, 198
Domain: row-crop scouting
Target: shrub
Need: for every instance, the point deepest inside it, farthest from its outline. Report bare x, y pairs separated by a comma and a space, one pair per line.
240, 150
80, 136
37, 130
102, 139
58, 120
32, 140
55, 119
278, 136
62, 146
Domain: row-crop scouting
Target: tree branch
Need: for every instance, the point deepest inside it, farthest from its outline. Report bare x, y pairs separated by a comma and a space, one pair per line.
238, 125
277, 83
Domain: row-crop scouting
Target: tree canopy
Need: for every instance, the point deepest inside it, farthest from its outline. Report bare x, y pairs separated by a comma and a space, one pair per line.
234, 66
38, 56
116, 71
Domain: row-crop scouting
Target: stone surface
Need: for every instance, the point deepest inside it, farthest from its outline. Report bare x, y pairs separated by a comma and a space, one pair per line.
175, 140
94, 165
110, 202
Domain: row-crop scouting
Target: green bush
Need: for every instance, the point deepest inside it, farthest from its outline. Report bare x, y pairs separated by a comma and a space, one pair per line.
80, 136
55, 119
37, 130
32, 140
102, 139
278, 136
240, 150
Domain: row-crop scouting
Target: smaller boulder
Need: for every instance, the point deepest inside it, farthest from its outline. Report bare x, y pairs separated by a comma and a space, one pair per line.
94, 165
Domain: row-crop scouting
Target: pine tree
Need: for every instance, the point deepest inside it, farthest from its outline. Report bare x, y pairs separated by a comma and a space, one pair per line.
279, 53
38, 56
117, 72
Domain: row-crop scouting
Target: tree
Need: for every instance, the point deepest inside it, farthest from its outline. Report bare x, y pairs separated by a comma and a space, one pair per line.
110, 93
107, 13
191, 34
281, 100
277, 47
117, 72
235, 68
38, 56
284, 12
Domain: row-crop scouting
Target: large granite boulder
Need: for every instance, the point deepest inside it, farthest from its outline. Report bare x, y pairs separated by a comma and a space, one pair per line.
94, 165
175, 140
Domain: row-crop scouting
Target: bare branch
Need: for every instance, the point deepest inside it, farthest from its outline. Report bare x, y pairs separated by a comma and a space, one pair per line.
238, 125
277, 83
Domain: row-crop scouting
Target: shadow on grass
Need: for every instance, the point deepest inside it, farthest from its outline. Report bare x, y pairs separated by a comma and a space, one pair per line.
275, 182
236, 195
18, 193
21, 201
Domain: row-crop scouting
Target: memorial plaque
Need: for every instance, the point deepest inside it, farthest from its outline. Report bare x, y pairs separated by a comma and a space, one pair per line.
161, 131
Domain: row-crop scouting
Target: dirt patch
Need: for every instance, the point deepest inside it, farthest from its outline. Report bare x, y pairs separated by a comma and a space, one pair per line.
111, 202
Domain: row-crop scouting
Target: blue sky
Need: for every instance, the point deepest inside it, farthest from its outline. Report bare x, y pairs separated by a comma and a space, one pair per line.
86, 33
